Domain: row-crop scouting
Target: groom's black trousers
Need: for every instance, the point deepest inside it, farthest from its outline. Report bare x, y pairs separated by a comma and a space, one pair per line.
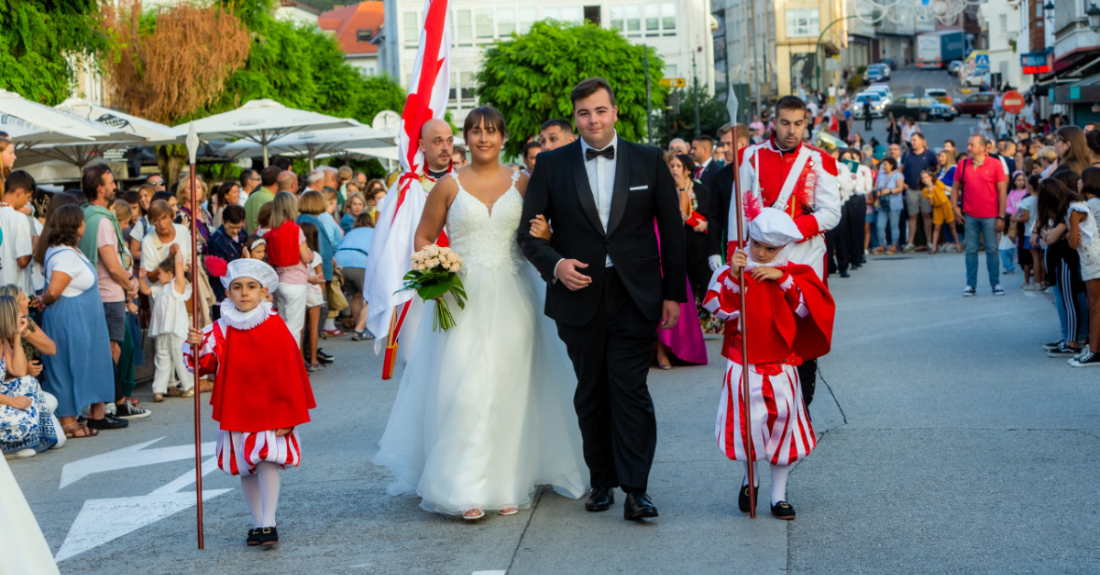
612, 355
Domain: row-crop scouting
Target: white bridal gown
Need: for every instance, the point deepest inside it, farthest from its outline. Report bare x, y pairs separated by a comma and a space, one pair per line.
485, 412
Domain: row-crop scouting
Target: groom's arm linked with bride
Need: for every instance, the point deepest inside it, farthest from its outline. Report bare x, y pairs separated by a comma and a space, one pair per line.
606, 290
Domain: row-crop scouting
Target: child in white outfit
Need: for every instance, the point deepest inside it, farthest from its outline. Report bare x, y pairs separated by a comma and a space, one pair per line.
169, 323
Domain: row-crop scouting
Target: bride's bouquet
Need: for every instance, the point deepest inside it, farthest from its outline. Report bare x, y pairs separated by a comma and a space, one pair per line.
434, 274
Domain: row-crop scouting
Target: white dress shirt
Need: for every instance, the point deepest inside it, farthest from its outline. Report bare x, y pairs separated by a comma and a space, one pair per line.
601, 178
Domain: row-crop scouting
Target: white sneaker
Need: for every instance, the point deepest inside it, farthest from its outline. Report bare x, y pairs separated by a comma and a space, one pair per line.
21, 454
969, 292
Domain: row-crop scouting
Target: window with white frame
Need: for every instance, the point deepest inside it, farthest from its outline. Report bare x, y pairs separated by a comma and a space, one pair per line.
668, 18
573, 15
412, 29
672, 71
652, 19
466, 85
1004, 23
527, 16
483, 22
616, 20
506, 22
465, 27
803, 23
633, 21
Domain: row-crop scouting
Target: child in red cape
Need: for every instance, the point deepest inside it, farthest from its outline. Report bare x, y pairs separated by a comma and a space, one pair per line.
790, 319
261, 391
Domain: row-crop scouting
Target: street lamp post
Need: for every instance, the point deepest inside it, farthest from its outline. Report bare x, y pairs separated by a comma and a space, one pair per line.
695, 94
822, 35
648, 101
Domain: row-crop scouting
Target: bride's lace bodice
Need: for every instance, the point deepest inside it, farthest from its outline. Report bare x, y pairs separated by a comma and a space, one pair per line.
486, 235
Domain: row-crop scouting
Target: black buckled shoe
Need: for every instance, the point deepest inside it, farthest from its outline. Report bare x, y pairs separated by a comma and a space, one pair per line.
269, 536
743, 498
638, 506
253, 537
783, 510
601, 499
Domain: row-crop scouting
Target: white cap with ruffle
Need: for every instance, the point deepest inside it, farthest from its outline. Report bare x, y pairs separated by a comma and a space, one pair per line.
250, 268
774, 227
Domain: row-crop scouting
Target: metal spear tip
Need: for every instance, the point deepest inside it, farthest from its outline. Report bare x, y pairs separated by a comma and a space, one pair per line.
731, 104
192, 143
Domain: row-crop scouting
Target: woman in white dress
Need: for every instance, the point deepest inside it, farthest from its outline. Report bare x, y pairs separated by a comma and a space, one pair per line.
485, 413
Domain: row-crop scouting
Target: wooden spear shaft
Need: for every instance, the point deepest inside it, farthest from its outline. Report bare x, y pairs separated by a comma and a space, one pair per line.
195, 351
750, 465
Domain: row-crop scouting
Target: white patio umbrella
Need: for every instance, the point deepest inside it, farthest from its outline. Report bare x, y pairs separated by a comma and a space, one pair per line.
24, 133
264, 121
314, 144
52, 124
81, 153
156, 134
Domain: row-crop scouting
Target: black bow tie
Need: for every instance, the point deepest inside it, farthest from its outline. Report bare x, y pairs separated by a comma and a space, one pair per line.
608, 152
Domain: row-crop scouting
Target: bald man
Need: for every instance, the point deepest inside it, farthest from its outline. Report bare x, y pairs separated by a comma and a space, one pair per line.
437, 141
288, 182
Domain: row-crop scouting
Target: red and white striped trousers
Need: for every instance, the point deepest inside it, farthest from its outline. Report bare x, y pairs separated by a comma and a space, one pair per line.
781, 431
239, 452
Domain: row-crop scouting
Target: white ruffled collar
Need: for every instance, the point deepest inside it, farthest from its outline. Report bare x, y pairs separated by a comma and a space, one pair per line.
245, 320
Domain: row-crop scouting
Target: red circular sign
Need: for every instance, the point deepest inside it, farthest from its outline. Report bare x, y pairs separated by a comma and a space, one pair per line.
1012, 102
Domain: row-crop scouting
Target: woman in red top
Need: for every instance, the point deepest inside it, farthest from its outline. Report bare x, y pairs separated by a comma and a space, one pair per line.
289, 254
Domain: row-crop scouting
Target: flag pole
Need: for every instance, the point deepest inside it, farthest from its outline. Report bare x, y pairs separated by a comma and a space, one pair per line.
391, 346
746, 416
192, 149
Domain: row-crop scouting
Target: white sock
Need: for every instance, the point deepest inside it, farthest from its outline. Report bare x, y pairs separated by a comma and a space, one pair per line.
250, 485
269, 490
755, 477
330, 324
779, 483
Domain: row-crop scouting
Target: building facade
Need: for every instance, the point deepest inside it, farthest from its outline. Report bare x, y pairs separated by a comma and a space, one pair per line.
355, 28
679, 30
1001, 23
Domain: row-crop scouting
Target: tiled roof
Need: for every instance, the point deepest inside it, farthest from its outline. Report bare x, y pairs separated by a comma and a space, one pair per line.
346, 23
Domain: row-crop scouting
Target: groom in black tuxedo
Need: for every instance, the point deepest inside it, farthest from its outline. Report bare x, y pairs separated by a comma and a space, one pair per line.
602, 194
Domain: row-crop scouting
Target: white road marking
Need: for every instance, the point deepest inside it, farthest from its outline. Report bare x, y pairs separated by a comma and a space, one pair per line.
490, 572
128, 457
103, 520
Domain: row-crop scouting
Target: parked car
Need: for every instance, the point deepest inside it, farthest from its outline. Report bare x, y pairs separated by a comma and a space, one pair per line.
976, 104
878, 104
873, 75
881, 67
955, 66
939, 94
921, 109
881, 89
976, 79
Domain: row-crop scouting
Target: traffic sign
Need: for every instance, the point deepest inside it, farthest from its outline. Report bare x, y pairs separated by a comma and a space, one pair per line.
919, 91
981, 61
673, 82
1012, 102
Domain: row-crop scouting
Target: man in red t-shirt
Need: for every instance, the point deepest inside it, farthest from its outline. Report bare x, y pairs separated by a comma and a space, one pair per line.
981, 193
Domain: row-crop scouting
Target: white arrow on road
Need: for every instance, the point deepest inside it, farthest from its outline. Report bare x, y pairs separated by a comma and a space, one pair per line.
127, 457
103, 520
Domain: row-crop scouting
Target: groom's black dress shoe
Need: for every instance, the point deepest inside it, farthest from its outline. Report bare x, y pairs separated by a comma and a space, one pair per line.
601, 499
743, 497
638, 506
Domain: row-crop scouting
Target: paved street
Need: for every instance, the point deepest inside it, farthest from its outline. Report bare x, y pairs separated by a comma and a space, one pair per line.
949, 443
902, 82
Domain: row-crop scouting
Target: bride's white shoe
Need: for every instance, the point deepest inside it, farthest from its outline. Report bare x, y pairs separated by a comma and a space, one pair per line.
473, 514
509, 511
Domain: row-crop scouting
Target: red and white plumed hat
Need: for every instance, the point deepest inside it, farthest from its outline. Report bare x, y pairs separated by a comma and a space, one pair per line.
774, 227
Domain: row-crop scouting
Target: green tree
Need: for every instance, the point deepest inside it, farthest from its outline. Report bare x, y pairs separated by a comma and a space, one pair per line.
304, 68
712, 115
528, 77
36, 39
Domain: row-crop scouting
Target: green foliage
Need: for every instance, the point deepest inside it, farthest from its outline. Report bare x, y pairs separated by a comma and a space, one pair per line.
712, 115
304, 68
35, 38
529, 77
855, 82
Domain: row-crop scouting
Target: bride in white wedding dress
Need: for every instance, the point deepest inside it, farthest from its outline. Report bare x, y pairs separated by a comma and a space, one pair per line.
485, 413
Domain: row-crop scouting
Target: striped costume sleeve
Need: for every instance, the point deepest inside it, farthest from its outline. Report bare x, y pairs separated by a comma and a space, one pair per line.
209, 351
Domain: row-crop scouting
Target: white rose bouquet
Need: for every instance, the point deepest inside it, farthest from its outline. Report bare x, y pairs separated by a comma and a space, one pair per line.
434, 274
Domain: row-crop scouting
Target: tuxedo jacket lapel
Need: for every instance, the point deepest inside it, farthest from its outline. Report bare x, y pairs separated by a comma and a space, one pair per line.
584, 190
622, 185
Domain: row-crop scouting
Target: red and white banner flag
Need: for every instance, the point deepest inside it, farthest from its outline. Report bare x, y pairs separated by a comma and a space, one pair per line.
394, 233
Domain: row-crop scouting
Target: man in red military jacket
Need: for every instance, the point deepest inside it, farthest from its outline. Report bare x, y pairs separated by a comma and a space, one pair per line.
788, 174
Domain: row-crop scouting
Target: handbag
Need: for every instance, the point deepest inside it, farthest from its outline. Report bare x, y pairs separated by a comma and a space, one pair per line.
335, 295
